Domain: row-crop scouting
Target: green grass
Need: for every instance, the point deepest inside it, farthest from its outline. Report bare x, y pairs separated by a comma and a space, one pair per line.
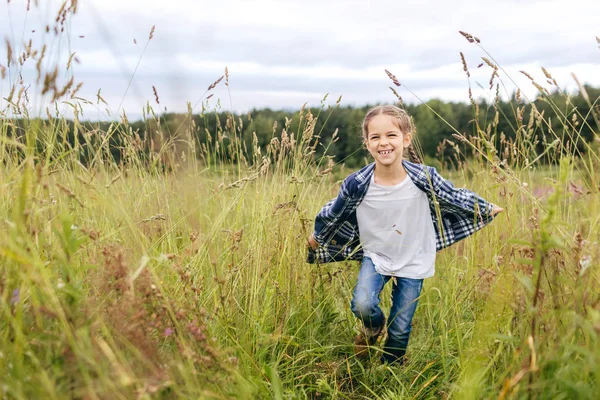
133, 281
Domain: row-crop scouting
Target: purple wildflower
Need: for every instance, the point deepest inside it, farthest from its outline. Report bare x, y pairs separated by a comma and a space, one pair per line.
16, 297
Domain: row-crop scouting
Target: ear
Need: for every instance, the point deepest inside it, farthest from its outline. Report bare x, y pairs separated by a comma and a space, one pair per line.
407, 139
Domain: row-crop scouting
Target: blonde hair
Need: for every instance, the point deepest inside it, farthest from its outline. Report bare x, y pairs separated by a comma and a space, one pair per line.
402, 120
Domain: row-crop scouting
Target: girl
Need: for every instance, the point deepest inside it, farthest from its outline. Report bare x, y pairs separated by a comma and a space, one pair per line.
393, 215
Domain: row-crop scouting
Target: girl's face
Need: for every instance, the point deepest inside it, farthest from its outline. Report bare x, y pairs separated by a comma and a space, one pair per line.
385, 141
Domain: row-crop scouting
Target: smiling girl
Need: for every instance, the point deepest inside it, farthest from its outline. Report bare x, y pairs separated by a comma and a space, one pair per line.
393, 215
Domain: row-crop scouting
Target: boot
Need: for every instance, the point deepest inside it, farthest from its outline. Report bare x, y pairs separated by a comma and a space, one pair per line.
366, 338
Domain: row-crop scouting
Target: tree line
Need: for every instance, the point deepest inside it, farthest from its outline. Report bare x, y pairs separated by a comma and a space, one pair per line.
572, 119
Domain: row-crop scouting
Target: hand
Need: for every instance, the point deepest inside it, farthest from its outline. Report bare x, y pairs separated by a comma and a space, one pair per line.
496, 210
312, 242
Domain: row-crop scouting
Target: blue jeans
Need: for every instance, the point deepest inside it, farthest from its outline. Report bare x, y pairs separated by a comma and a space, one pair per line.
365, 305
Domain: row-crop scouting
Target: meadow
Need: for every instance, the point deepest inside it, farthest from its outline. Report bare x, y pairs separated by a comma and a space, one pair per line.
179, 270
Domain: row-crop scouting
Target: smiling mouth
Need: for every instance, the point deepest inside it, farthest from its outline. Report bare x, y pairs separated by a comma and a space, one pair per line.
384, 152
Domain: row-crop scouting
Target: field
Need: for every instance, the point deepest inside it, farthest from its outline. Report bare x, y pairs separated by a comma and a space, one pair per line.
122, 281
178, 270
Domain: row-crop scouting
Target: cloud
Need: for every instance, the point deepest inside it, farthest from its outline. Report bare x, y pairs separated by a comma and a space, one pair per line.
283, 53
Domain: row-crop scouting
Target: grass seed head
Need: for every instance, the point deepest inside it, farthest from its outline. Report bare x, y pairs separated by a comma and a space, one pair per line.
470, 38
396, 94
546, 73
494, 74
527, 75
489, 63
69, 193
392, 77
464, 63
77, 88
215, 83
582, 91
155, 94
458, 137
9, 53
70, 60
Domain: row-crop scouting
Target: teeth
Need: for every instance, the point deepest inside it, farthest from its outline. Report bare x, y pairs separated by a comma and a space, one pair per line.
385, 152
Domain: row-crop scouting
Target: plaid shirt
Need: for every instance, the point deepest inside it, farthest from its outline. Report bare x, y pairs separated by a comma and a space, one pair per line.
456, 213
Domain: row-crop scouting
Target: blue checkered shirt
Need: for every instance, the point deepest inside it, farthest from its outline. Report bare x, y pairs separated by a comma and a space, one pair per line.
456, 213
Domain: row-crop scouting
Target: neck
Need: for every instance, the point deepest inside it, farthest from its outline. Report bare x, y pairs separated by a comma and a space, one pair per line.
389, 175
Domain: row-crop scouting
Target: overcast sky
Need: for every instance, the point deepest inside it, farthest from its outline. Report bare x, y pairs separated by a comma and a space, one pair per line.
281, 54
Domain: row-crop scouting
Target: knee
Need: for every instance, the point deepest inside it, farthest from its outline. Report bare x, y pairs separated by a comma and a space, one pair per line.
363, 307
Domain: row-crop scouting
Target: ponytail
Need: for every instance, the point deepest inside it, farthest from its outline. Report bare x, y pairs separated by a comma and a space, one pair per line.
412, 154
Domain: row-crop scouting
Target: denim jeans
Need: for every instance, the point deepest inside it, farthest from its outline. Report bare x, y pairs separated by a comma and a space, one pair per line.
365, 305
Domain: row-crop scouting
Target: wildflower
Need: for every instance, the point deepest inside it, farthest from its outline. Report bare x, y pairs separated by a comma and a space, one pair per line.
168, 332
584, 263
233, 360
16, 297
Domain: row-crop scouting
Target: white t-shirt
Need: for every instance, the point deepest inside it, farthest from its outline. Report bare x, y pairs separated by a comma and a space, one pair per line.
396, 230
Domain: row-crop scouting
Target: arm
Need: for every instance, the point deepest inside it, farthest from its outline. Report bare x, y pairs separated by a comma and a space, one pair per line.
468, 199
312, 242
329, 216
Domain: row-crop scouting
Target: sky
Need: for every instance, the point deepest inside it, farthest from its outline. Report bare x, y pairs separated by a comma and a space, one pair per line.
282, 54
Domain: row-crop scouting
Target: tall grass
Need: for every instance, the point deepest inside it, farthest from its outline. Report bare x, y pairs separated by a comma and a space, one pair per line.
179, 272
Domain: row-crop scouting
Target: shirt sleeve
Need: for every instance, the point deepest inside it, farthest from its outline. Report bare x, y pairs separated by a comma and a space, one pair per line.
330, 215
467, 199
